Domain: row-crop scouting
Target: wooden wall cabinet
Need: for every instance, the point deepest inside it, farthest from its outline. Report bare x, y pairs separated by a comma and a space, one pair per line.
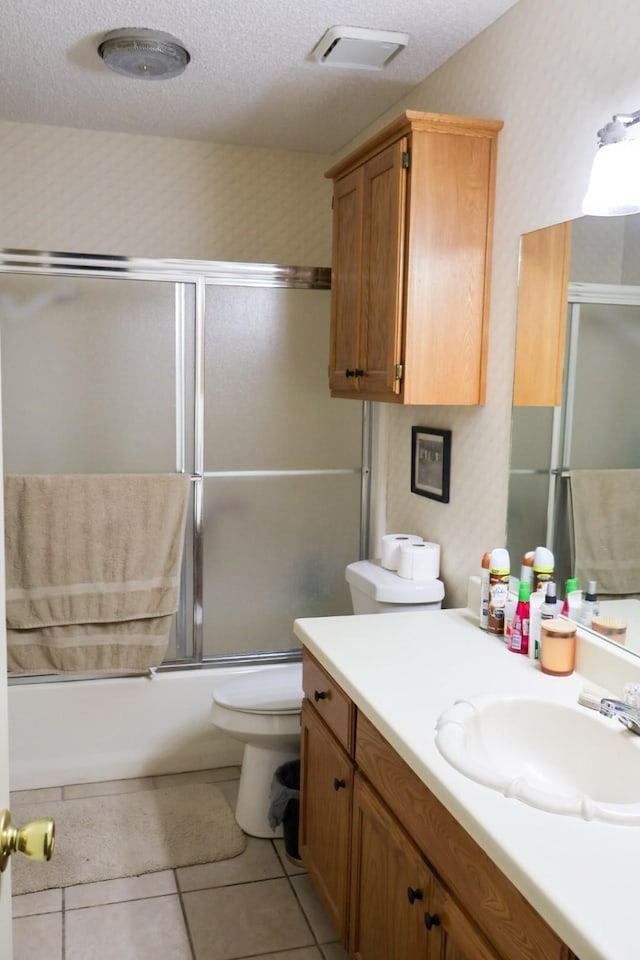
398, 876
412, 230
543, 291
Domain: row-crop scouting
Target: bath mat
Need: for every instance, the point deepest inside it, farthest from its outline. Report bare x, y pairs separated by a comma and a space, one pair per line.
127, 834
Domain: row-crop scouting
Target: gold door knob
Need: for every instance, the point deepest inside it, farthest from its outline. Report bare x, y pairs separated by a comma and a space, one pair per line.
35, 839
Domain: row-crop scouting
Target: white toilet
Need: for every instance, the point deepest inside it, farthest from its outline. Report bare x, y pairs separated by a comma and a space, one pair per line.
262, 707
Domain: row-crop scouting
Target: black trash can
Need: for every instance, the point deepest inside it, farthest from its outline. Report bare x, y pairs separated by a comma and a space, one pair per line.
285, 806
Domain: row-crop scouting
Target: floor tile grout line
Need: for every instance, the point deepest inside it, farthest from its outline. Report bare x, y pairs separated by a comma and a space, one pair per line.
303, 912
185, 918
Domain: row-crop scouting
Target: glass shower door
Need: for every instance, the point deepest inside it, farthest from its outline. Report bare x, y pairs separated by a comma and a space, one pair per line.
281, 485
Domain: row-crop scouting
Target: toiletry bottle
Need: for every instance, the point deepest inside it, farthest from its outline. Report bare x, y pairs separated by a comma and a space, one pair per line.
509, 614
549, 609
570, 586
590, 604
484, 590
526, 569
535, 623
543, 567
519, 640
499, 567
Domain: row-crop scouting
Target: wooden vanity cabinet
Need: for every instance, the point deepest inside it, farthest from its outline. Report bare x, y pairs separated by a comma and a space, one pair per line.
326, 790
412, 227
398, 875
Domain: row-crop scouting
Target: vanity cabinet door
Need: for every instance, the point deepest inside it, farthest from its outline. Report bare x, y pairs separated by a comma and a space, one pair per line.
391, 885
452, 935
366, 281
326, 790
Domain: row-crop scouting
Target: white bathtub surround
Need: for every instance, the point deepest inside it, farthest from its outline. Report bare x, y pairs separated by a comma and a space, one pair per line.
83, 731
402, 671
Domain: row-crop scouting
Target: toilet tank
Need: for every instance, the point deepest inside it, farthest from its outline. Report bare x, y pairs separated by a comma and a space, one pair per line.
376, 590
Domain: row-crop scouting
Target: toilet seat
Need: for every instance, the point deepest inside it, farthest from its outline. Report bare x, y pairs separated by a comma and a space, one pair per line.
274, 691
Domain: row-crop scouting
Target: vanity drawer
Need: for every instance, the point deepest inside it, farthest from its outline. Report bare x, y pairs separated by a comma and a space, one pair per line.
497, 907
331, 702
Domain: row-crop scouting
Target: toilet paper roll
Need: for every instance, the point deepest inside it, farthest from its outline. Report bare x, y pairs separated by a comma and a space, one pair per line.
419, 561
391, 544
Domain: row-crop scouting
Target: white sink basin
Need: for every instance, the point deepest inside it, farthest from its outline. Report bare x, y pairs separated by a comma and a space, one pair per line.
560, 758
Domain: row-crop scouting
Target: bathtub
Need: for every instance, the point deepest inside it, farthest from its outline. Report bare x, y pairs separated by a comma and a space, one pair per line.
84, 731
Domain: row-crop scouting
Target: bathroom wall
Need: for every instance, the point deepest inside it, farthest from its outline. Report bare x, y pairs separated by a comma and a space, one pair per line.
553, 72
87, 191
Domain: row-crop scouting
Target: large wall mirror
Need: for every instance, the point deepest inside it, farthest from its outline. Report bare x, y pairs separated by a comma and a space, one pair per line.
575, 450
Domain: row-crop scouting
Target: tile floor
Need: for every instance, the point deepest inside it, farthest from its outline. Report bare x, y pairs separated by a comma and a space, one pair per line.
258, 905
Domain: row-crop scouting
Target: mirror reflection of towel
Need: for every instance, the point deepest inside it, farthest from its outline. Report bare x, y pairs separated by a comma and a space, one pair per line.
92, 569
606, 523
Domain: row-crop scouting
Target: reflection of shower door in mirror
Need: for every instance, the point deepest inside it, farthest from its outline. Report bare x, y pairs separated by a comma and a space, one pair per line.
171, 366
596, 427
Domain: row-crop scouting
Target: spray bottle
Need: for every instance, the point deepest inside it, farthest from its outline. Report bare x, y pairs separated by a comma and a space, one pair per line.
519, 640
484, 590
571, 586
499, 569
543, 567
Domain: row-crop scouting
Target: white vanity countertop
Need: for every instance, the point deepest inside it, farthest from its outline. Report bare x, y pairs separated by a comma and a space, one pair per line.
402, 670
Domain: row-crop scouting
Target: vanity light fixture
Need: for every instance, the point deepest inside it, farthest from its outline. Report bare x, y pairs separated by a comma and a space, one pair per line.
144, 54
614, 187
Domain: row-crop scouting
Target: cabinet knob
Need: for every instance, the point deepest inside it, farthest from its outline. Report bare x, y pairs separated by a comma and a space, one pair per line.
350, 373
319, 695
431, 920
358, 373
413, 895
339, 784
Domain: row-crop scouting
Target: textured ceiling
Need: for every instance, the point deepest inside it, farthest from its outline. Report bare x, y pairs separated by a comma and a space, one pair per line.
251, 79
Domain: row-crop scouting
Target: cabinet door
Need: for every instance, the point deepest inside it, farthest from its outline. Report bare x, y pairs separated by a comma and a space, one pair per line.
390, 887
326, 787
543, 291
452, 936
345, 282
383, 243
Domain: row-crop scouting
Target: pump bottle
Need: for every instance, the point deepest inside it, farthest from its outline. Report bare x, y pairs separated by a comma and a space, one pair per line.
590, 604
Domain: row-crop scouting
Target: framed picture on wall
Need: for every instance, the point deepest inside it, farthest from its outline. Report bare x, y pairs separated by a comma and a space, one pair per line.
431, 462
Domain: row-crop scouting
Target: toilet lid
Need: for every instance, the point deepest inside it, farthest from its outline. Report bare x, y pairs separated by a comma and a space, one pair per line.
276, 690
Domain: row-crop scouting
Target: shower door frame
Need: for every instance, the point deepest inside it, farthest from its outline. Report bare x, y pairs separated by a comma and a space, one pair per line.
198, 275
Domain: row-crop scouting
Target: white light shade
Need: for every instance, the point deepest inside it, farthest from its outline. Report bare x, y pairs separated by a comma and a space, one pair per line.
614, 187
144, 54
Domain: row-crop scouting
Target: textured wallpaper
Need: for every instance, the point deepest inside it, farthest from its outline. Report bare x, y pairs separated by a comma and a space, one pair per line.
91, 192
554, 72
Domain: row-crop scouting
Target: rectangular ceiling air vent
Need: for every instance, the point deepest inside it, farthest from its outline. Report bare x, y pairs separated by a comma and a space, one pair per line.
358, 48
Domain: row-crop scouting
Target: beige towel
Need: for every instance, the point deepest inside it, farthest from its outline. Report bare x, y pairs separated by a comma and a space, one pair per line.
92, 569
606, 522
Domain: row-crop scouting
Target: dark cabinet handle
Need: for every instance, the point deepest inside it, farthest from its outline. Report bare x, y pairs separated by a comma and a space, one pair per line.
431, 920
414, 895
339, 784
319, 695
358, 373
350, 373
